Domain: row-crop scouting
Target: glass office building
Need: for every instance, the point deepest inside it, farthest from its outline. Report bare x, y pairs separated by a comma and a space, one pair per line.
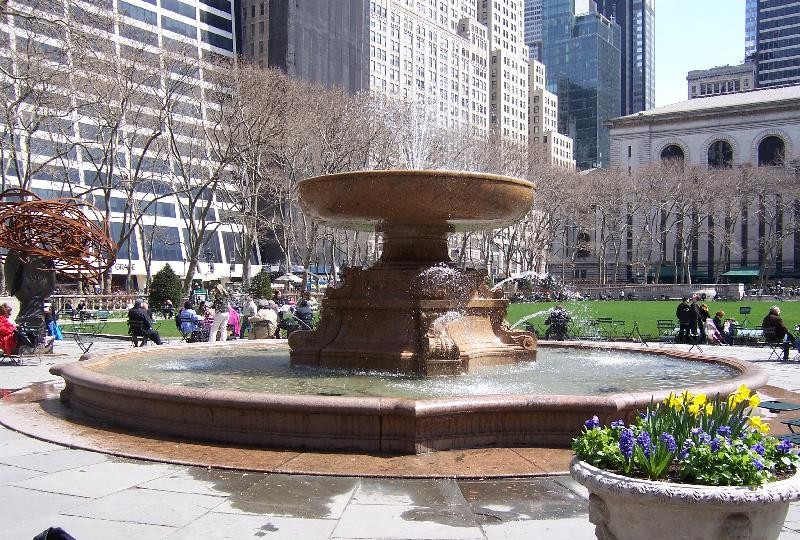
750, 28
582, 55
777, 43
636, 19
533, 28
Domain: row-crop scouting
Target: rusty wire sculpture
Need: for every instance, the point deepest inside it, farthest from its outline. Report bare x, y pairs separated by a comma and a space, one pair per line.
58, 232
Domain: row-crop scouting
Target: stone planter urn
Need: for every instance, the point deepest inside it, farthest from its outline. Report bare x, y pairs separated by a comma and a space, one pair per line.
623, 508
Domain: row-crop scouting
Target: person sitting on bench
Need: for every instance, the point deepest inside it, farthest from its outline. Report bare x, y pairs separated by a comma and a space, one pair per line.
140, 322
8, 337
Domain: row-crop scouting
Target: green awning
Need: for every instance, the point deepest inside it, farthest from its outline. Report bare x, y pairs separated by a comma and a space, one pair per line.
742, 272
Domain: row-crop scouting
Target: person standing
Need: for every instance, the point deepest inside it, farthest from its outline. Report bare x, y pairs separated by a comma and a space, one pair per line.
687, 317
702, 316
220, 323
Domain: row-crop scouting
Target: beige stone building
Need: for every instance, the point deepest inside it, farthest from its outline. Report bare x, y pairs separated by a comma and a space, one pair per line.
543, 115
721, 80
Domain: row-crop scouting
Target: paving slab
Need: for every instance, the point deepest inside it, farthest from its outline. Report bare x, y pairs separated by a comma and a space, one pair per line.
148, 507
576, 528
96, 480
404, 522
88, 528
313, 497
524, 499
60, 459
217, 526
205, 481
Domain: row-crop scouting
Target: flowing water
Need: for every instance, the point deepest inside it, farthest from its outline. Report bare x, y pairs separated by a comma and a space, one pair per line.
556, 371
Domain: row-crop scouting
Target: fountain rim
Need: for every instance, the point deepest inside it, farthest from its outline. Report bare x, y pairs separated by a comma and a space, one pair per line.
422, 173
749, 374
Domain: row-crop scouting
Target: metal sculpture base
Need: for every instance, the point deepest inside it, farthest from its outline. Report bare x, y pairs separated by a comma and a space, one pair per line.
423, 318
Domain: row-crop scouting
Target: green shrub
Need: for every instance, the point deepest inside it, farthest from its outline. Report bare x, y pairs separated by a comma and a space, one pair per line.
260, 285
165, 285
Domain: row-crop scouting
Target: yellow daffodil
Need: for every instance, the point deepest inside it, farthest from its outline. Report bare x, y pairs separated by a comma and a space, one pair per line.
699, 399
674, 402
754, 401
694, 408
709, 409
758, 424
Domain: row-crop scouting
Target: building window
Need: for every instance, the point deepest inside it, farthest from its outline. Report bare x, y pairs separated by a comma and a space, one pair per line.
771, 151
672, 152
720, 155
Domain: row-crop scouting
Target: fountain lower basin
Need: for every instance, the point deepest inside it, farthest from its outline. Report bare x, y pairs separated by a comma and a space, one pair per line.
367, 424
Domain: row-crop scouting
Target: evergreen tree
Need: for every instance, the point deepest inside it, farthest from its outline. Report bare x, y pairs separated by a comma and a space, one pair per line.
260, 285
165, 285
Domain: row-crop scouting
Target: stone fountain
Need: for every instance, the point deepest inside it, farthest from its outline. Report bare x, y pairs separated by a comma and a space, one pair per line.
413, 311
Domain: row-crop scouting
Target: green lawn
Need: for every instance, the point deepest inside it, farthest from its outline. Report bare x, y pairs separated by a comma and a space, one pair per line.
166, 328
647, 312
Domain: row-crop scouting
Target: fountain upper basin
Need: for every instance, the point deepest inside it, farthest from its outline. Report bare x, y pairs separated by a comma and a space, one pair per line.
371, 424
455, 200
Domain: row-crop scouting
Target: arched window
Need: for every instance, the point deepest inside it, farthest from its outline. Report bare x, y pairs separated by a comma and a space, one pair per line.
671, 152
583, 245
720, 154
771, 151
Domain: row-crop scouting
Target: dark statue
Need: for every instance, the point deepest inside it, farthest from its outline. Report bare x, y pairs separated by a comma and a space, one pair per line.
31, 280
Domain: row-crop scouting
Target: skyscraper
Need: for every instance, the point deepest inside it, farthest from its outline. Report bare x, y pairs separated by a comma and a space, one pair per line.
581, 49
466, 59
777, 42
321, 41
102, 149
750, 28
636, 19
533, 28
504, 20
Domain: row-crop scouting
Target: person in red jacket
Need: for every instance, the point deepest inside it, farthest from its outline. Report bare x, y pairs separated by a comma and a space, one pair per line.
8, 341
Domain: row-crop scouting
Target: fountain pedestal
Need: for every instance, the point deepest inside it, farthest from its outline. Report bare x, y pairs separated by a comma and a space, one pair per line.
413, 312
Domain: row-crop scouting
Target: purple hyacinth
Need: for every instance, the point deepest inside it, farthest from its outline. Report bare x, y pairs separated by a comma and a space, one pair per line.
758, 448
758, 464
715, 444
626, 442
645, 442
784, 446
592, 422
669, 440
725, 431
618, 424
688, 444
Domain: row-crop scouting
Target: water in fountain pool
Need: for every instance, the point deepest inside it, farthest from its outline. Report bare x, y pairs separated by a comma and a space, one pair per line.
563, 371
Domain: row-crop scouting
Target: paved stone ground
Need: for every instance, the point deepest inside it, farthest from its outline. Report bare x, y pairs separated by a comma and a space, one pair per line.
93, 495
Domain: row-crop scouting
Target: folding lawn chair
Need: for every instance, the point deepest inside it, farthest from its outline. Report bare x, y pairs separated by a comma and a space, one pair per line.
771, 341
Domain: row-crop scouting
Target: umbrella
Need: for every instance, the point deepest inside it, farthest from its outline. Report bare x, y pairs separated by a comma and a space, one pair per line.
288, 278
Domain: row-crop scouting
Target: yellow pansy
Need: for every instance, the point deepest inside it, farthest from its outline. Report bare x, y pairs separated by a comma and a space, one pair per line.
758, 424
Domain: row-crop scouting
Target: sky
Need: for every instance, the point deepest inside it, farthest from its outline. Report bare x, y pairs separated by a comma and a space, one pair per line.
694, 34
